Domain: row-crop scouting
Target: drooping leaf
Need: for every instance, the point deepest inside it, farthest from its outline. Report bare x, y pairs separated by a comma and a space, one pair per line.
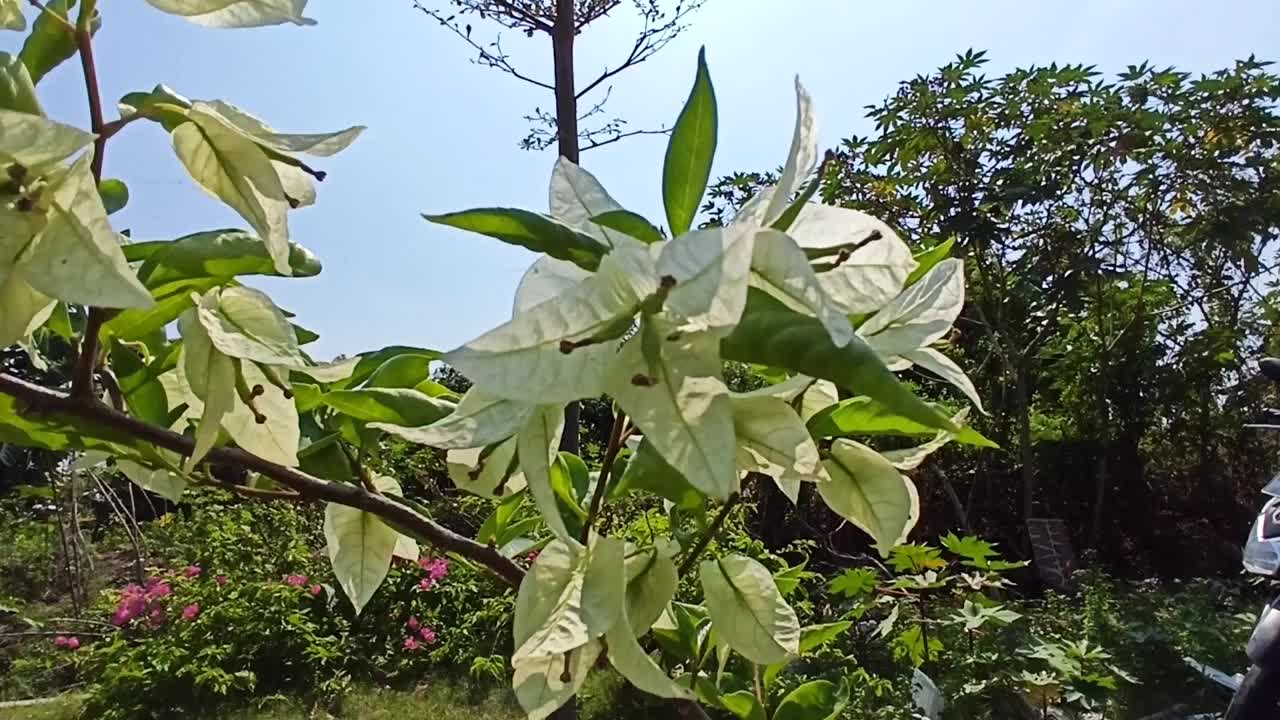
570, 596
211, 378
747, 609
171, 300
773, 441
488, 474
576, 197
277, 438
236, 13
478, 420
545, 683
814, 700
743, 704
772, 334
360, 548
651, 584
244, 323
692, 147
631, 661
813, 637
647, 470
529, 230
922, 314
25, 308
711, 268
868, 491
213, 254
911, 458
942, 366
257, 130
864, 416
161, 481
402, 407
684, 412
630, 224
536, 446
780, 268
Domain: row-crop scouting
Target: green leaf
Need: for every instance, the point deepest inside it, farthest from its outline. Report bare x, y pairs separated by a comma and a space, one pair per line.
570, 596
115, 195
537, 444
161, 481
689, 152
211, 379
25, 309
684, 411
11, 15
743, 704
929, 258
630, 224
360, 548
236, 170
813, 637
486, 472
324, 458
869, 492
921, 315
223, 254
576, 196
814, 700
49, 43
772, 334
773, 441
401, 371
648, 471
630, 660
545, 683
161, 104
496, 524
244, 323
307, 397
651, 584
529, 230
236, 13
140, 384
942, 366
864, 416
854, 582
747, 609
478, 420
395, 406
780, 268
55, 432
17, 91
171, 301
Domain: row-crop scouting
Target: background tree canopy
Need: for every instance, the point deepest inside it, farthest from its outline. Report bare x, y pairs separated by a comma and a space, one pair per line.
1119, 238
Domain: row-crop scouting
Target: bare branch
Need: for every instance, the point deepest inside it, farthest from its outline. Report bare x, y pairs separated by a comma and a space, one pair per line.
41, 401
658, 30
593, 144
496, 58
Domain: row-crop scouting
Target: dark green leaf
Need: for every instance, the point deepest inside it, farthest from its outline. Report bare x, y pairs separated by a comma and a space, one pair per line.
398, 406
171, 300
579, 475
854, 582
305, 336
49, 43
306, 396
60, 322
214, 253
161, 105
140, 384
401, 371
115, 194
690, 151
770, 333
322, 456
629, 223
496, 523
929, 258
815, 636
864, 416
647, 470
743, 704
370, 362
814, 700
529, 230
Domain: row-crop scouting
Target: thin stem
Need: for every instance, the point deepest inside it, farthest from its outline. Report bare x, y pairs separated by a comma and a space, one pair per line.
87, 361
606, 468
712, 531
35, 400
924, 625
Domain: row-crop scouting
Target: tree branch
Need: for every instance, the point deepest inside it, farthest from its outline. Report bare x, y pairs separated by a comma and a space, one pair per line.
712, 531
606, 468
499, 60
87, 359
592, 145
41, 401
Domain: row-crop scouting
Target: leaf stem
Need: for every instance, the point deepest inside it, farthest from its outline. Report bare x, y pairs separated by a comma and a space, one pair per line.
712, 531
87, 359
37, 401
606, 469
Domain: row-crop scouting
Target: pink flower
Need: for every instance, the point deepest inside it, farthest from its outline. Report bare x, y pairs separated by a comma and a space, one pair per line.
221, 580
411, 644
428, 635
132, 604
436, 568
413, 623
156, 616
67, 643
316, 590
426, 584
191, 612
532, 557
191, 571
295, 580
158, 589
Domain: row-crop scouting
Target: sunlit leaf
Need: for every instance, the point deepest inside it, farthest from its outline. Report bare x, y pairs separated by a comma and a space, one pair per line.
529, 230
243, 323
236, 13
873, 262
631, 661
402, 407
773, 441
690, 150
360, 548
945, 368
17, 91
49, 44
478, 420
576, 196
864, 416
211, 377
545, 279
571, 595
318, 144
11, 15
545, 683
651, 584
748, 610
922, 314
215, 254
868, 491
814, 700
711, 268
801, 159
488, 475
780, 268
630, 224
537, 446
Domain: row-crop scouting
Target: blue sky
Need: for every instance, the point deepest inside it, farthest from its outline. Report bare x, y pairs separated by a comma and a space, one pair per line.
442, 132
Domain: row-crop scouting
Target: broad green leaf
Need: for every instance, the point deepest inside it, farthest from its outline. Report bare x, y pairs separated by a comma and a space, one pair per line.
11, 15
161, 104
77, 257
487, 475
216, 254
523, 360
772, 334
692, 147
161, 481
872, 272
576, 196
360, 547
910, 458
172, 299
747, 609
922, 314
255, 129
236, 13
651, 584
743, 704
529, 230
478, 420
647, 470
139, 383
211, 377
684, 410
401, 371
25, 309
243, 323
496, 524
631, 661
927, 259
237, 171
17, 91
545, 279
813, 637
537, 446
773, 441
307, 397
814, 700
367, 363
864, 416
570, 596
801, 159
58, 433
394, 406
49, 43
780, 268
868, 491
545, 683
854, 582
711, 268
329, 373
630, 224
115, 195
942, 366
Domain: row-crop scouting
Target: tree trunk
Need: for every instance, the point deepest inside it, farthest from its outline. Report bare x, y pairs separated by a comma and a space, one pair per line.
562, 37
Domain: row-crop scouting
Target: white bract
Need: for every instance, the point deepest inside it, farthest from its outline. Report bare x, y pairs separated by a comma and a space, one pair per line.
237, 13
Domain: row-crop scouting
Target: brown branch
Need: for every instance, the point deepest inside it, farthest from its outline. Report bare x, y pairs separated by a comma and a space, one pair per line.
87, 360
601, 143
42, 401
251, 492
606, 468
499, 60
709, 535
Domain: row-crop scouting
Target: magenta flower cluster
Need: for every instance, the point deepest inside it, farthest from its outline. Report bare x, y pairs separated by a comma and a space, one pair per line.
419, 635
67, 642
436, 569
142, 601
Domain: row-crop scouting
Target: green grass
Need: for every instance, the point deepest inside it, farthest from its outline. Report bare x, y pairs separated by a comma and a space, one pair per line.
435, 702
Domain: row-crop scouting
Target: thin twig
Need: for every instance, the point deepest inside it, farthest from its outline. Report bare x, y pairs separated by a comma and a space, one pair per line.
606, 468
595, 144
712, 531
37, 400
87, 361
